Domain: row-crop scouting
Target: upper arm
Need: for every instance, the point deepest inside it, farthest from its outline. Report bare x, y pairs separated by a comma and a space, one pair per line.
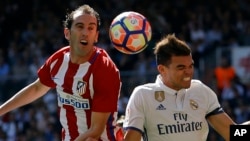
25, 96
106, 92
40, 87
221, 123
132, 135
34, 91
98, 124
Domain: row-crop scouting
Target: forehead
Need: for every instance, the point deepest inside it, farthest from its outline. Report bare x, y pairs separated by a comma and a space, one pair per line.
184, 60
81, 16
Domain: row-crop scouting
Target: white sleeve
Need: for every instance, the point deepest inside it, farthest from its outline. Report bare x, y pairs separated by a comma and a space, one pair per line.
213, 102
134, 116
210, 98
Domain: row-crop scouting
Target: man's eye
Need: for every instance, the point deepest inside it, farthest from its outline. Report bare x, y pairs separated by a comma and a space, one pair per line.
80, 27
91, 28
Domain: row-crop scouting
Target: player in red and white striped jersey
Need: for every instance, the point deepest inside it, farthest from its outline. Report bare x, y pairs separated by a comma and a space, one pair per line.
86, 80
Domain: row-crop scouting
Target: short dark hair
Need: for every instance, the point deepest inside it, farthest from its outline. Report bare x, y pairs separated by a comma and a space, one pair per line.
84, 8
170, 46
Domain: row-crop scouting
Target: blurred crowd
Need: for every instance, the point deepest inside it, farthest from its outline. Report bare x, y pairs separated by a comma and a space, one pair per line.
30, 31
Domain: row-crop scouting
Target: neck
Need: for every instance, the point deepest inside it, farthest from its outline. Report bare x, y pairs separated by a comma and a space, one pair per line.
80, 59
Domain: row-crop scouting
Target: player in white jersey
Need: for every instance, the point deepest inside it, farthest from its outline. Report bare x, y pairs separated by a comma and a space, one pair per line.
175, 107
86, 80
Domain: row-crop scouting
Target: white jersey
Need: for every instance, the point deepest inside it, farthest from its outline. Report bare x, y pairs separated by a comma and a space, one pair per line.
163, 114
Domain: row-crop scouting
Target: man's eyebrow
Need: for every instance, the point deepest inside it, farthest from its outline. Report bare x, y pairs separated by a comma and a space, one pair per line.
92, 23
79, 23
180, 66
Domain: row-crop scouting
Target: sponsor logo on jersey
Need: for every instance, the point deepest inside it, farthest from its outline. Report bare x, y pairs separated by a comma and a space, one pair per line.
182, 124
75, 101
160, 107
81, 87
193, 104
159, 96
179, 127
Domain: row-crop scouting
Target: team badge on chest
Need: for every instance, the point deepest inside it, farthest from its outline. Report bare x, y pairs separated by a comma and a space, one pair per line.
193, 104
81, 87
159, 96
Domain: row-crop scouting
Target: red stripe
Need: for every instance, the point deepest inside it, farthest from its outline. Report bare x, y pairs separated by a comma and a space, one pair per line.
87, 93
87, 96
69, 77
59, 60
67, 85
55, 69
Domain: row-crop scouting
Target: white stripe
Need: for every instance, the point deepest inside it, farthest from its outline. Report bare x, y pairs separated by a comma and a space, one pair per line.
91, 89
79, 75
81, 122
81, 114
62, 71
64, 123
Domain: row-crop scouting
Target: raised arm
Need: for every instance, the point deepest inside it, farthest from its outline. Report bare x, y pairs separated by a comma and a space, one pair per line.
25, 96
221, 123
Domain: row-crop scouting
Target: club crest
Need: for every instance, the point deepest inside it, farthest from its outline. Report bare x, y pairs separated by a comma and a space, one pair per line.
159, 96
81, 87
193, 104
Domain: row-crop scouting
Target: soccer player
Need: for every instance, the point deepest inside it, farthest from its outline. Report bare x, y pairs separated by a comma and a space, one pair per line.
175, 107
80, 73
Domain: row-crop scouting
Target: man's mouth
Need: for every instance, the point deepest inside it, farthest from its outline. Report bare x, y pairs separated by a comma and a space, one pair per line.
187, 78
84, 42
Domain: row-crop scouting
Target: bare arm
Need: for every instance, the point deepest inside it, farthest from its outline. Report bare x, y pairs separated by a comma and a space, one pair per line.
221, 123
132, 135
25, 96
98, 124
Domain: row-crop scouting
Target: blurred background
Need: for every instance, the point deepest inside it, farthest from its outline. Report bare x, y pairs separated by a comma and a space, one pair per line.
218, 31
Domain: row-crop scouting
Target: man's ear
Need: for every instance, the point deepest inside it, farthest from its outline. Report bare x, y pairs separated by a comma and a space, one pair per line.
161, 68
97, 36
66, 33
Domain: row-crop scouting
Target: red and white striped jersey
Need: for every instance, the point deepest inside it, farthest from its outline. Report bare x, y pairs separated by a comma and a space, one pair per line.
83, 88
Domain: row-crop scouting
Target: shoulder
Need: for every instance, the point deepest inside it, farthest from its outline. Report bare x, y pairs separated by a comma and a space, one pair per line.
103, 66
146, 88
103, 59
62, 50
197, 83
59, 53
143, 93
103, 54
199, 86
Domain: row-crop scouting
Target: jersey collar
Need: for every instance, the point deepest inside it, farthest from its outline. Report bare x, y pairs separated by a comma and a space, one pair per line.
166, 88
